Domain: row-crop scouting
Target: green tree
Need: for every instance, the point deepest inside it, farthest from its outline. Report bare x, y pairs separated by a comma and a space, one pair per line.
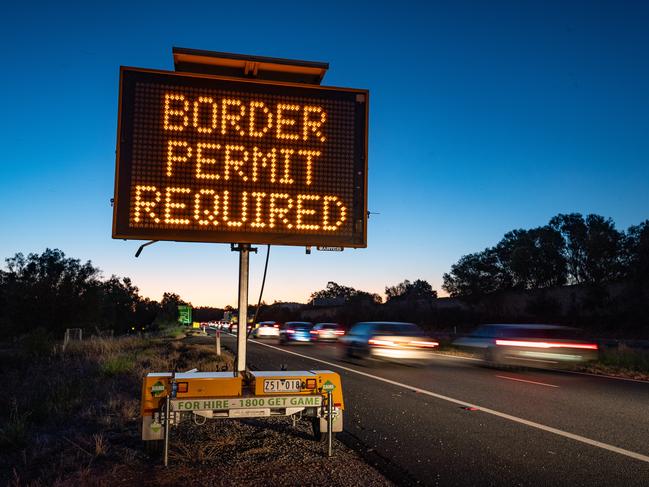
574, 232
636, 255
475, 275
120, 300
593, 248
52, 292
533, 258
351, 295
49, 291
169, 307
604, 250
407, 290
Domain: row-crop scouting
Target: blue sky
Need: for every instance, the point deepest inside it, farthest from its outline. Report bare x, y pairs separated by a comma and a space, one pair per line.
484, 117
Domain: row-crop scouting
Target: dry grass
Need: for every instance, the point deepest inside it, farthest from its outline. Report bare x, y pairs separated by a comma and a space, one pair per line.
101, 445
631, 363
78, 410
76, 423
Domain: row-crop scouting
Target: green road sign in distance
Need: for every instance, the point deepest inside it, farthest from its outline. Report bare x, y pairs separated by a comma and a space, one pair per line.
185, 314
328, 386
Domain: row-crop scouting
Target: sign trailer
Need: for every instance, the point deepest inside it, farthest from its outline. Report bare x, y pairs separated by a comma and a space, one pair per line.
240, 149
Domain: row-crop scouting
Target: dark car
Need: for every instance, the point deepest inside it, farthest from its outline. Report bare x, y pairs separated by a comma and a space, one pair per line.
322, 332
389, 341
295, 332
531, 345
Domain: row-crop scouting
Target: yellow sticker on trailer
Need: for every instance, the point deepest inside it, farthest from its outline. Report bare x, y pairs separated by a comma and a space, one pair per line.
245, 403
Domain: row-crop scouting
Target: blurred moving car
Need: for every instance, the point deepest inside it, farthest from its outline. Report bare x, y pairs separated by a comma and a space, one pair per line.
327, 332
234, 327
266, 329
531, 345
390, 341
295, 331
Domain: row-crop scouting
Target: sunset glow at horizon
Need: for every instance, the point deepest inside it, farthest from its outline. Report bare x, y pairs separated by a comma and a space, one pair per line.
484, 118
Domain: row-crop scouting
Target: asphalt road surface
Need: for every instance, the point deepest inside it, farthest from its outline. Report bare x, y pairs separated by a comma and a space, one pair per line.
456, 422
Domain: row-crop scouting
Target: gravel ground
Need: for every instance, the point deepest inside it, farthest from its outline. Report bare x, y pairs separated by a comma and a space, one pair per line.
251, 451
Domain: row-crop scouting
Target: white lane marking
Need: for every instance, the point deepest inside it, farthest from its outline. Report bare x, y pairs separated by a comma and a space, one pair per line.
549, 429
528, 381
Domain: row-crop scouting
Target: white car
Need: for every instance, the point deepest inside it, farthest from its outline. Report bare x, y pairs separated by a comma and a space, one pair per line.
266, 329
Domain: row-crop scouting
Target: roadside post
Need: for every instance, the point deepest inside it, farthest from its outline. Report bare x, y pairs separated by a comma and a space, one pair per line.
330, 422
240, 150
329, 387
242, 327
167, 418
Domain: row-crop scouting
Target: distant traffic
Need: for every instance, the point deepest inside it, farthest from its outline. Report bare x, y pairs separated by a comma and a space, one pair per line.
497, 345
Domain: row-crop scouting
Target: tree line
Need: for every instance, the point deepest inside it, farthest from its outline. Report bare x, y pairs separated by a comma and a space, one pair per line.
404, 291
53, 292
570, 249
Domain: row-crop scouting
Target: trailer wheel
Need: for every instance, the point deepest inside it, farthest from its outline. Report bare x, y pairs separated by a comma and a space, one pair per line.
154, 448
319, 435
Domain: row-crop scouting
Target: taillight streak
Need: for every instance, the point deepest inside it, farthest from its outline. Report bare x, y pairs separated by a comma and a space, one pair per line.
521, 343
425, 344
381, 343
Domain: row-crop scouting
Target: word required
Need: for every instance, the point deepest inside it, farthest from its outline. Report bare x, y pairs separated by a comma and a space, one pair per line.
233, 182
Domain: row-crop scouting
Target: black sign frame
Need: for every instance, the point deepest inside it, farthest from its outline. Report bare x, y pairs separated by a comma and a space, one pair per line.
124, 159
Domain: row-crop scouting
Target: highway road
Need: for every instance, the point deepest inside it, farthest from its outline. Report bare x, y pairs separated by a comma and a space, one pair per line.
455, 422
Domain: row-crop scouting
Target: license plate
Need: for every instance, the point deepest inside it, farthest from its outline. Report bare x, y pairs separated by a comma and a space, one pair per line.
282, 385
248, 413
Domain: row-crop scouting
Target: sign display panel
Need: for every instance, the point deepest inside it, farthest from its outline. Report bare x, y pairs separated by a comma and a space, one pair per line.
212, 159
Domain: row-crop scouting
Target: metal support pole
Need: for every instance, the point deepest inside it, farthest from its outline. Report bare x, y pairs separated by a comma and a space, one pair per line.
242, 329
167, 419
330, 422
218, 342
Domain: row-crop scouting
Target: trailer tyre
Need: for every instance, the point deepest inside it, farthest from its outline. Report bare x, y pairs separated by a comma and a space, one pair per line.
319, 435
154, 448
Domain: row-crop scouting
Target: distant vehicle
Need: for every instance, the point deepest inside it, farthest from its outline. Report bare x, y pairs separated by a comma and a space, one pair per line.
223, 325
531, 345
388, 341
295, 332
234, 327
327, 332
266, 329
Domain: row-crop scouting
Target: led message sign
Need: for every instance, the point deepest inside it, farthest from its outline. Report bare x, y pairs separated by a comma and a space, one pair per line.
213, 159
